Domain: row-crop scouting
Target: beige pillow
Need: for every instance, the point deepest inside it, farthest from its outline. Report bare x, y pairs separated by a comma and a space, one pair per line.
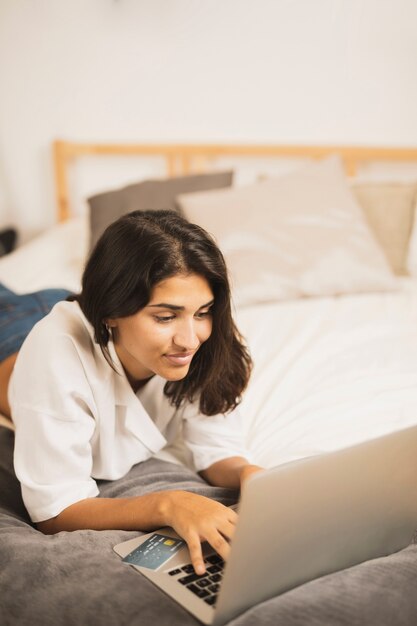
412, 247
389, 209
302, 234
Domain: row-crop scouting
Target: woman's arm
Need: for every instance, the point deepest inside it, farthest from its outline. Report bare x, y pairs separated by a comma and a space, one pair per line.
195, 519
230, 472
141, 513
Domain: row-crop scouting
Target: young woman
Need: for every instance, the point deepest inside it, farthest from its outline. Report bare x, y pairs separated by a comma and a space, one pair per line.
107, 378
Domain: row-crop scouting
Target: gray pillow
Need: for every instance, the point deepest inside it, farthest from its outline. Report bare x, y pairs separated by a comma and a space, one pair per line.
149, 194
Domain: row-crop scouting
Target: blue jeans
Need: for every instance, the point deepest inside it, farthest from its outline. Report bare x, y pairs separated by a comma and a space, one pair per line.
19, 314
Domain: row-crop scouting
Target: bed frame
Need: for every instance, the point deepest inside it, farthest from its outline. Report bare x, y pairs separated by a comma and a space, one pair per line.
184, 159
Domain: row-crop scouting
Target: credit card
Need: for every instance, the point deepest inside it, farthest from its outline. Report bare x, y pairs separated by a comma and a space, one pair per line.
155, 551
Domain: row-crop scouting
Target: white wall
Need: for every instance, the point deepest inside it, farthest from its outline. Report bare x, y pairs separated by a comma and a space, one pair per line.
293, 71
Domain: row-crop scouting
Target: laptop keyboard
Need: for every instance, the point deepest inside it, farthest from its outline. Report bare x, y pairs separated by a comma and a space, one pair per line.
205, 586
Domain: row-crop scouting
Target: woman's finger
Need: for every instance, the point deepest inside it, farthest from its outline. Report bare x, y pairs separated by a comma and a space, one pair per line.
196, 554
219, 543
227, 529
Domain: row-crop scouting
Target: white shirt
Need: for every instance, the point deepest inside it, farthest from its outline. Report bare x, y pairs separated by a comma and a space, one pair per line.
78, 420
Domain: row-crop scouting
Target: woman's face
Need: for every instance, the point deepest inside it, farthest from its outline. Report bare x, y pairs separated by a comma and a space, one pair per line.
163, 337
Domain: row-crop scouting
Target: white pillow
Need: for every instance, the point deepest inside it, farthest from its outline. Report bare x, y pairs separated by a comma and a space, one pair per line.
55, 258
302, 234
412, 248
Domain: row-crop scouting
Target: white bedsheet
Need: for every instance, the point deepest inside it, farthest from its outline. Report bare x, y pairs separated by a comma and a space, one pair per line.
328, 372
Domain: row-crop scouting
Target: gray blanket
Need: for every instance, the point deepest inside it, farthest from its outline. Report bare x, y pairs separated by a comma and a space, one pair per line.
76, 578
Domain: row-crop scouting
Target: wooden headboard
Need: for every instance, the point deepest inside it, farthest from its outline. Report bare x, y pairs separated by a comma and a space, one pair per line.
183, 159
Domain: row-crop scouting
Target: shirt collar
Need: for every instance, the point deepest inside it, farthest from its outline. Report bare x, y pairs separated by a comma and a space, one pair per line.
137, 419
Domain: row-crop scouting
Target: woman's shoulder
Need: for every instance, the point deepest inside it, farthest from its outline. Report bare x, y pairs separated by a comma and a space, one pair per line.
64, 328
65, 319
59, 353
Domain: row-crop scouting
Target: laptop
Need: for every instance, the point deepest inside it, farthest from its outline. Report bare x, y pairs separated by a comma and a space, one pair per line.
296, 522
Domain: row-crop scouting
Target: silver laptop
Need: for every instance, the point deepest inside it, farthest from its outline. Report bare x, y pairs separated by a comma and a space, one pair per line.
296, 522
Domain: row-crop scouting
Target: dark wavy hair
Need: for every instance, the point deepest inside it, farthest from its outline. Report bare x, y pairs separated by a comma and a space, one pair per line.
134, 254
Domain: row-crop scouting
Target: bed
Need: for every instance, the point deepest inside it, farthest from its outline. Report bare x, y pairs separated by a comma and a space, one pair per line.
324, 274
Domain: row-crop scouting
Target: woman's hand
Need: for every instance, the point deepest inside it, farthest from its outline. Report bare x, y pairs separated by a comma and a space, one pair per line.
230, 472
249, 470
196, 519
